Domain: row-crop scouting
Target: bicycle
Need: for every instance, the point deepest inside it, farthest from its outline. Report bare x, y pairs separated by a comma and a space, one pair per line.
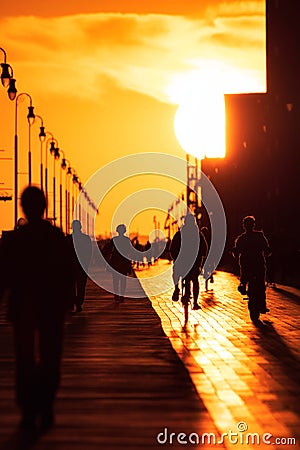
256, 293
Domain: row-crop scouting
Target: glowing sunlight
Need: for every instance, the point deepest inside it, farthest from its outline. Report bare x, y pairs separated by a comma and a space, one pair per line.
199, 125
199, 121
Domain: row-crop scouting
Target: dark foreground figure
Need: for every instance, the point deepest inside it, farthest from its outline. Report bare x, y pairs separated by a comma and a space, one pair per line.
250, 250
36, 265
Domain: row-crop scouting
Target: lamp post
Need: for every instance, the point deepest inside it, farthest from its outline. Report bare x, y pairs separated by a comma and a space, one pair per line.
88, 204
74, 180
69, 173
79, 185
52, 142
42, 137
30, 118
7, 73
56, 155
65, 162
7, 77
63, 165
193, 186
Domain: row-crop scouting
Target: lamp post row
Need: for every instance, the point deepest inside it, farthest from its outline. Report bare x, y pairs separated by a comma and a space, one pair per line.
9, 82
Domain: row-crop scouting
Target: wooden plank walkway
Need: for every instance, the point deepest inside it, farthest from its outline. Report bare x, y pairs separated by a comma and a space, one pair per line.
122, 382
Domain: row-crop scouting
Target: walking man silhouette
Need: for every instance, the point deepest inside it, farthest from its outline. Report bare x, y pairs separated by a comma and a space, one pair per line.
121, 254
81, 248
38, 276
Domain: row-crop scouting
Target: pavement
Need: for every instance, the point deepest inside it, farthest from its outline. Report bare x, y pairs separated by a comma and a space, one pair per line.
247, 376
134, 377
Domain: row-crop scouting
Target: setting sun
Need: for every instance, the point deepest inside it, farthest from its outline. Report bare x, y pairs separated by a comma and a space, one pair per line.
200, 125
199, 121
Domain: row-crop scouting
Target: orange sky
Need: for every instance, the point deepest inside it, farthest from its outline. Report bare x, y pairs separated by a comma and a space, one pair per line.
107, 77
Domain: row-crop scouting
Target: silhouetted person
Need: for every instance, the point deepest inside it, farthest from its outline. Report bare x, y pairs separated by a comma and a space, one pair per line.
120, 261
38, 277
209, 273
81, 248
168, 246
250, 250
188, 250
139, 257
148, 253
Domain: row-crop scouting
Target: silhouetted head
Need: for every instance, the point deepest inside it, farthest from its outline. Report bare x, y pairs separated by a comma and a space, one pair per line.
248, 223
190, 220
121, 229
33, 202
76, 226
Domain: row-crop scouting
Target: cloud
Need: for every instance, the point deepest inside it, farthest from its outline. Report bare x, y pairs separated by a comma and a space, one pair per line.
143, 53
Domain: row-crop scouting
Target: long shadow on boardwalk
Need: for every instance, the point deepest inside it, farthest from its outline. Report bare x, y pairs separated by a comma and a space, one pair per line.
122, 383
283, 364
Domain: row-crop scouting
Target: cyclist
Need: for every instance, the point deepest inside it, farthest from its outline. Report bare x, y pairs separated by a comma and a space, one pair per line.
250, 249
188, 250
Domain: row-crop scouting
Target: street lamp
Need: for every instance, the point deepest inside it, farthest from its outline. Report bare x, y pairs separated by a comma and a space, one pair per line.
74, 181
42, 137
88, 204
56, 155
12, 90
7, 77
6, 70
64, 163
63, 166
52, 142
69, 173
79, 185
30, 118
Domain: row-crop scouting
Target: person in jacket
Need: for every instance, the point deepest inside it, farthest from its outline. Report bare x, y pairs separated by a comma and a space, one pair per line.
38, 277
251, 249
121, 255
81, 249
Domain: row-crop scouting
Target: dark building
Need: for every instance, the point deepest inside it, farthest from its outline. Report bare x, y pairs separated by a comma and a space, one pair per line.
260, 174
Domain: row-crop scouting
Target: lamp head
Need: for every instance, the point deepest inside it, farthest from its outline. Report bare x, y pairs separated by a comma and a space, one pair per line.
12, 90
31, 115
69, 171
5, 75
56, 153
42, 134
63, 163
52, 148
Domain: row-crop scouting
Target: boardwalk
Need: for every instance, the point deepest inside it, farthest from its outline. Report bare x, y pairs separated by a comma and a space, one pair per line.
132, 371
242, 373
122, 382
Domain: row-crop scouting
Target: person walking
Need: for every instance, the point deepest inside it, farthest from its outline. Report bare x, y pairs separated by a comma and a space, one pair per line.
208, 274
81, 249
188, 250
37, 270
121, 255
